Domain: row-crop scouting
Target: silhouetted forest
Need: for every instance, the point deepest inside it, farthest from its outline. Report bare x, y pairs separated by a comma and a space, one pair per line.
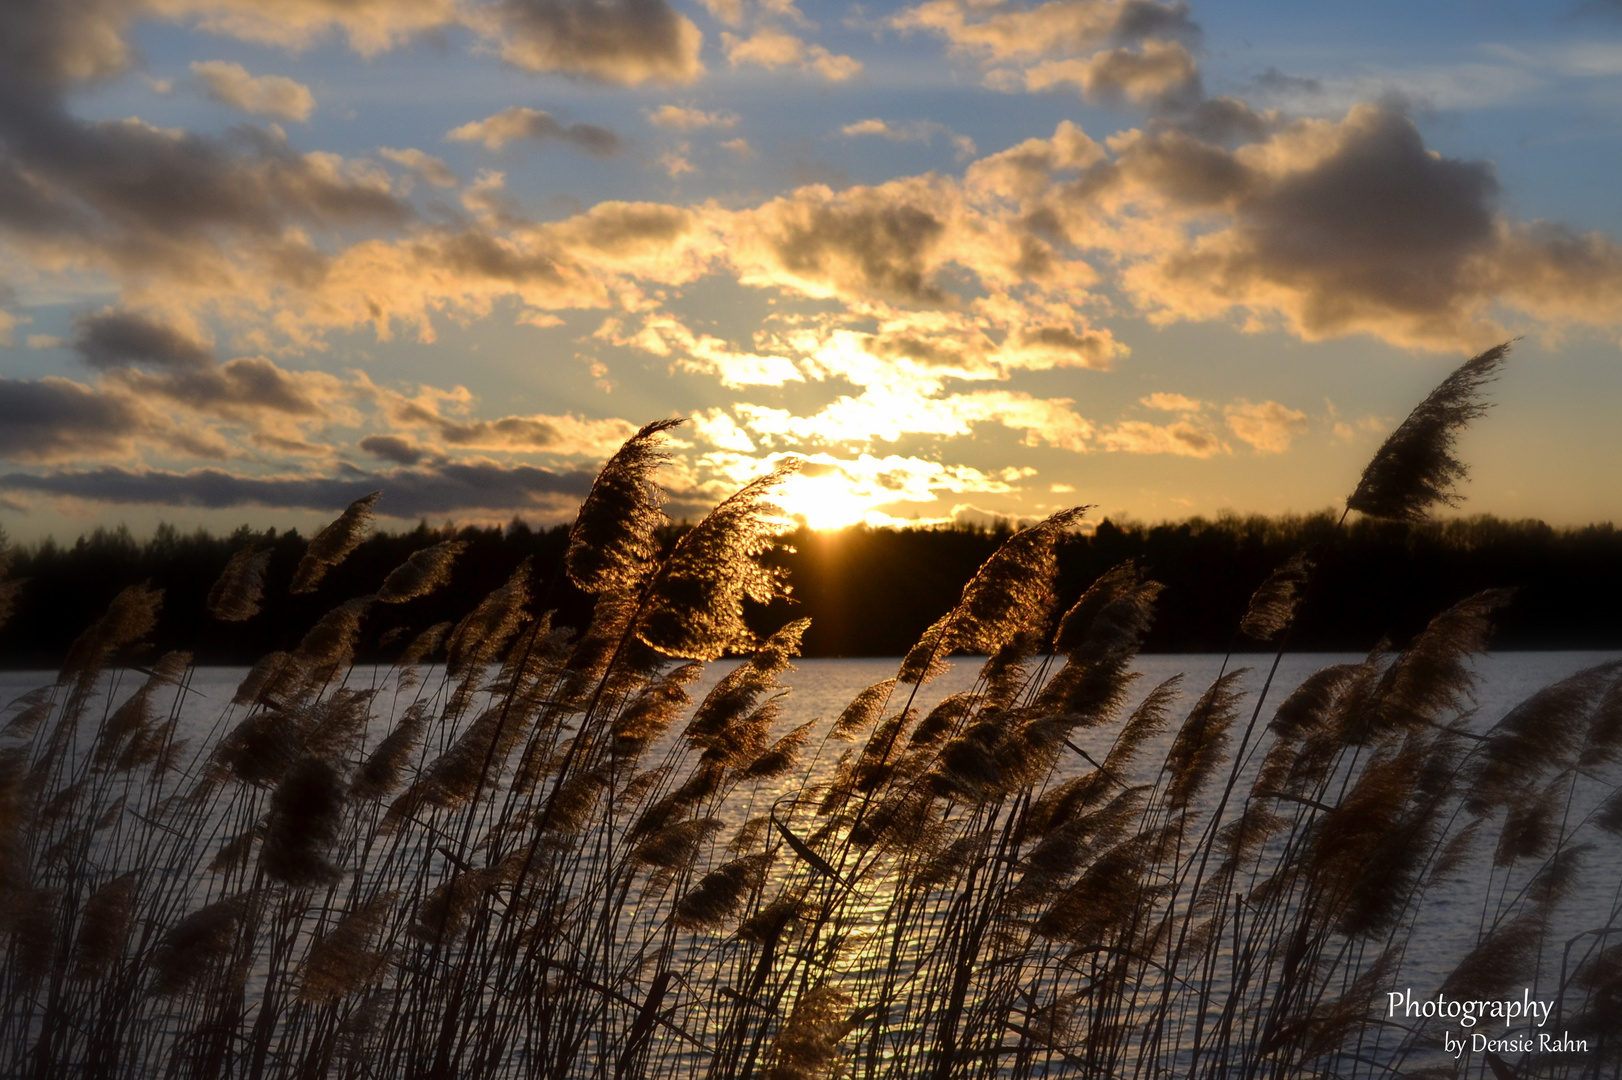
871, 592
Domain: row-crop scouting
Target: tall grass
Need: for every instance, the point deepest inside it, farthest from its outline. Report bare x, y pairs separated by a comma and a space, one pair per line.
516, 860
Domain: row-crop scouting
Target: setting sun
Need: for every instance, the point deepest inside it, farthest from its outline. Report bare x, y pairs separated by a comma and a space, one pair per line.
824, 498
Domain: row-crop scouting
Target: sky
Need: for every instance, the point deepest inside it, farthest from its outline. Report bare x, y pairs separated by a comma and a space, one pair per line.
964, 258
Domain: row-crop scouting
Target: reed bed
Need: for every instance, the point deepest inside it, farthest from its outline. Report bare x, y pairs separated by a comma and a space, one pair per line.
508, 855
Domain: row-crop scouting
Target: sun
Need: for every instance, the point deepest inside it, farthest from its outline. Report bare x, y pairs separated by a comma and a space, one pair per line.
828, 499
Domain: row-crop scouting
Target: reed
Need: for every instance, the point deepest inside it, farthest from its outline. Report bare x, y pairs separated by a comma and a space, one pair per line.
521, 852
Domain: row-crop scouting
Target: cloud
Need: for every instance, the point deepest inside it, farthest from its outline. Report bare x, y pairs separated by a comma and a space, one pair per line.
664, 335
1267, 426
1184, 438
830, 491
371, 26
1159, 73
274, 403
138, 202
771, 48
393, 448
1165, 402
440, 488
1333, 228
249, 387
432, 169
55, 419
519, 122
615, 41
998, 32
717, 429
688, 119
114, 338
264, 95
885, 242
445, 416
675, 163
923, 131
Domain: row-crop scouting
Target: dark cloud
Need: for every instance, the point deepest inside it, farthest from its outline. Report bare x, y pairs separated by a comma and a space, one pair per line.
188, 373
52, 419
134, 196
50, 43
518, 122
869, 241
615, 41
1382, 221
478, 253
1274, 81
407, 493
1174, 165
393, 448
1225, 121
112, 339
1343, 227
240, 387
1139, 20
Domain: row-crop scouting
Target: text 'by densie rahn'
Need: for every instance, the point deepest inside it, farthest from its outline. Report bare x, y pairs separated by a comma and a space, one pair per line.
1467, 1012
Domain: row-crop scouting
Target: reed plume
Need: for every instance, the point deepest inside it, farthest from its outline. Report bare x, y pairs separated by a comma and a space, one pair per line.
237, 592
342, 962
614, 539
306, 813
421, 573
129, 618
194, 948
1416, 468
1011, 593
105, 924
695, 604
1272, 605
333, 544
10, 587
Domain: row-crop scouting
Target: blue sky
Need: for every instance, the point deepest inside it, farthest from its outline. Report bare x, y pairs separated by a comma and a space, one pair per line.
965, 257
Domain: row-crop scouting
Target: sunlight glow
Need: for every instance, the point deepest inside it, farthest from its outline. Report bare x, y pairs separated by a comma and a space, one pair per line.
829, 499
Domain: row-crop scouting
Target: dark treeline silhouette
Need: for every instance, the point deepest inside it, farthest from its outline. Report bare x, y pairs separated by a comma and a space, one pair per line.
871, 592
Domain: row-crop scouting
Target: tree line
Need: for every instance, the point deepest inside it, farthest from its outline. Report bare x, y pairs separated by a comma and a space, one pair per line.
872, 591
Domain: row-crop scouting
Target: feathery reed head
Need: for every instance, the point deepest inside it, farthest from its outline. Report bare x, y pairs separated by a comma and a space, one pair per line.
333, 544
863, 710
695, 608
105, 925
129, 618
194, 947
236, 594
305, 814
485, 630
1415, 468
421, 573
718, 894
809, 1042
341, 961
330, 643
1198, 748
613, 542
1432, 676
1272, 605
1010, 594
9, 586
